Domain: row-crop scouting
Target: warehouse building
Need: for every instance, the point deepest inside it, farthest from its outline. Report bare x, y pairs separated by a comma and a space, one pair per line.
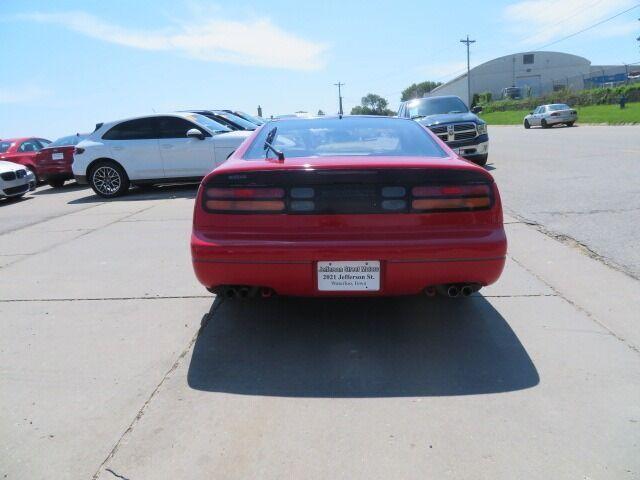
533, 74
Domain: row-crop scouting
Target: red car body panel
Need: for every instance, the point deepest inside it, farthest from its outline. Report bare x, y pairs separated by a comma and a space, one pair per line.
280, 251
13, 154
55, 169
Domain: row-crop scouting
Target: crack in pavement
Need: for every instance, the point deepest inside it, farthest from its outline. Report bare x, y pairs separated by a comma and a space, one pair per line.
578, 307
37, 222
205, 320
572, 242
117, 475
83, 234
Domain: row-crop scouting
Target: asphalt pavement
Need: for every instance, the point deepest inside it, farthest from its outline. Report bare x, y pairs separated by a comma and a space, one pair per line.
116, 363
580, 183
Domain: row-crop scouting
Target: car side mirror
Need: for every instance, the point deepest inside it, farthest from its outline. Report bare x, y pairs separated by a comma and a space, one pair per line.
531, 112
476, 109
195, 133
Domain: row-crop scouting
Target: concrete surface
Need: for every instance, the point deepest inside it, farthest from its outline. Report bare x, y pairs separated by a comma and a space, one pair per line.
115, 363
582, 182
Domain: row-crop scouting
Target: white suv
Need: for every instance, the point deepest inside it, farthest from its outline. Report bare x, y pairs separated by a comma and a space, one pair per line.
161, 148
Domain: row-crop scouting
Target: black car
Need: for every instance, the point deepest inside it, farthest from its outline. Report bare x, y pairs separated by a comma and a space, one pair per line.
450, 119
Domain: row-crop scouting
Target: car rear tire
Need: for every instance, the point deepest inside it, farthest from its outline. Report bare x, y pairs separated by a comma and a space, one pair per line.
481, 159
108, 179
544, 123
56, 183
527, 125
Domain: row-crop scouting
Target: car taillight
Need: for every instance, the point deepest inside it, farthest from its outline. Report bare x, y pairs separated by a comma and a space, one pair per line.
451, 197
78, 150
244, 199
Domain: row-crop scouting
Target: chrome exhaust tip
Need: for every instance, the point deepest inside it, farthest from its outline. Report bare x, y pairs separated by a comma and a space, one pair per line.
453, 291
466, 290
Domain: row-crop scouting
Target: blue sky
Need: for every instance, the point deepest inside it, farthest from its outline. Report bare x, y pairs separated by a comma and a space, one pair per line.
69, 64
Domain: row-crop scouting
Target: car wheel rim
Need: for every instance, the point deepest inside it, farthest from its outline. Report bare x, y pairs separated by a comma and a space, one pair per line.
107, 180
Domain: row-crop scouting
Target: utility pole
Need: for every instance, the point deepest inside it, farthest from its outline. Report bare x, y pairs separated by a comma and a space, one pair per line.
339, 85
468, 43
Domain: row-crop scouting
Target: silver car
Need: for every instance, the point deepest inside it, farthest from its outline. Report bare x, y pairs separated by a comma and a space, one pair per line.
546, 116
15, 179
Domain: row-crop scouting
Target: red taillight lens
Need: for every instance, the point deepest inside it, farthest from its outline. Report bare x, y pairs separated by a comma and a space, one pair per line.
246, 205
451, 197
244, 199
245, 193
438, 191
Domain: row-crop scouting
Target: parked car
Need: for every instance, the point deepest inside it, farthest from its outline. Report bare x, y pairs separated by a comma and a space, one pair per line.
53, 162
160, 148
450, 119
250, 118
228, 120
15, 179
23, 151
547, 116
356, 205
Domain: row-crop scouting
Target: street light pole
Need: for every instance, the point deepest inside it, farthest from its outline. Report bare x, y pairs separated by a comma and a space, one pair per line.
468, 43
339, 85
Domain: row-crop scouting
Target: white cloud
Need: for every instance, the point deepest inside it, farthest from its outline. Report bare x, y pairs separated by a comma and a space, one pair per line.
542, 21
21, 94
255, 42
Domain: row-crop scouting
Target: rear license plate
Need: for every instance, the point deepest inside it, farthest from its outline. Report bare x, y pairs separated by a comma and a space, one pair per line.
356, 276
57, 156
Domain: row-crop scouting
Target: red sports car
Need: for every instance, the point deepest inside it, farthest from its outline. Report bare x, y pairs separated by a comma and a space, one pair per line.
53, 163
347, 206
23, 151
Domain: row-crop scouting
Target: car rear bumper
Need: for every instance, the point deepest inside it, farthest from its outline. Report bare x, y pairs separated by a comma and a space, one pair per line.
55, 172
407, 267
558, 120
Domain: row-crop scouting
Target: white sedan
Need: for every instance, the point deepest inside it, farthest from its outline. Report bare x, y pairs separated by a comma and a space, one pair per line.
15, 180
546, 116
160, 148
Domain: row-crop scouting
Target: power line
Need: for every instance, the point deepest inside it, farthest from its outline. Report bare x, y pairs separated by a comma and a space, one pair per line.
588, 28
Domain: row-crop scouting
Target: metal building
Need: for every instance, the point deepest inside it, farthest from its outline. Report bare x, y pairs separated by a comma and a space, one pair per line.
532, 74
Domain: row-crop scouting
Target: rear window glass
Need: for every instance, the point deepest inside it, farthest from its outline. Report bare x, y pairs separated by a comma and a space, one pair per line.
71, 140
349, 136
558, 106
4, 146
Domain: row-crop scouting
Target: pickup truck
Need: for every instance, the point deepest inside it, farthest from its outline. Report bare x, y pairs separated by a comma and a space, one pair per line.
450, 119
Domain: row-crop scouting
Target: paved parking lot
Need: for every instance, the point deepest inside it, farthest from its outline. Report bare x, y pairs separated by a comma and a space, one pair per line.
581, 182
115, 363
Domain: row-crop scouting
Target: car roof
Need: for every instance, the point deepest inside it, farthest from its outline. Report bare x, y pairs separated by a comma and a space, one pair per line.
337, 117
181, 114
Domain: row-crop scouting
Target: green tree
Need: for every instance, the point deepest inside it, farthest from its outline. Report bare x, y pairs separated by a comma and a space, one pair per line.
372, 104
417, 90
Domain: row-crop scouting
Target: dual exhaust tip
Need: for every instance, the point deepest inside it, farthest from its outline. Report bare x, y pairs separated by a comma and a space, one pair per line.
453, 290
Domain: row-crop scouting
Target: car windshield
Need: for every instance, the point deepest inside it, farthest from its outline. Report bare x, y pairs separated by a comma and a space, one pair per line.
207, 123
4, 146
236, 119
435, 106
558, 106
349, 136
71, 140
250, 118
